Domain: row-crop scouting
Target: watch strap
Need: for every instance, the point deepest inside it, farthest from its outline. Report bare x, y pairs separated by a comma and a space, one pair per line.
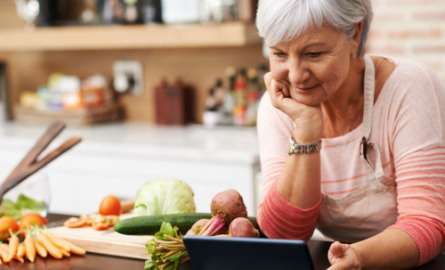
298, 148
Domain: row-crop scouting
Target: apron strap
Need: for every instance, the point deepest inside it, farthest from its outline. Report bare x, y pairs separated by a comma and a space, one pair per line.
369, 88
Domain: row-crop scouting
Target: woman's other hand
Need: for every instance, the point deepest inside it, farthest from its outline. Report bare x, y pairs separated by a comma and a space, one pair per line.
308, 120
343, 256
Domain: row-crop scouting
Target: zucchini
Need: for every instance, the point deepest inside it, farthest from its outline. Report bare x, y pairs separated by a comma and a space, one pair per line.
150, 224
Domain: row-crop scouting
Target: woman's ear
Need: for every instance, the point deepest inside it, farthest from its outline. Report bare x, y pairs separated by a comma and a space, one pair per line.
356, 37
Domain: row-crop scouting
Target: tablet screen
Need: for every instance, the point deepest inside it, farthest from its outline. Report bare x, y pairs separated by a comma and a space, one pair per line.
217, 253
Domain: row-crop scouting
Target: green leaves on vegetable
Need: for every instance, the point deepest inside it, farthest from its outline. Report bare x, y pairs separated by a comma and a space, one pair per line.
23, 205
167, 249
167, 229
164, 196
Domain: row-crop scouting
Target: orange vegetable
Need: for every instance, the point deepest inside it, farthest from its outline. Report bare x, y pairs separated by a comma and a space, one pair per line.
102, 225
30, 249
113, 220
21, 250
31, 219
110, 205
40, 249
49, 246
20, 253
13, 246
56, 241
65, 253
75, 222
7, 224
4, 249
73, 248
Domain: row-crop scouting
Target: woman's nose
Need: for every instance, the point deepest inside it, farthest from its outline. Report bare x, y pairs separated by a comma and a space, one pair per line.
298, 74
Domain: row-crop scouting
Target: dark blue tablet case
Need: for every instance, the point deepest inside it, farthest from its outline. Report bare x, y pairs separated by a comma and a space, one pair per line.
217, 253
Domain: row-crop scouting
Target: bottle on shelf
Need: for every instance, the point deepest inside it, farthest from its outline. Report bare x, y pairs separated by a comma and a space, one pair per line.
239, 112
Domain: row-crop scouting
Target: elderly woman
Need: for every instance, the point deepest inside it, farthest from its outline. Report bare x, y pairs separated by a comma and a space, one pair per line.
351, 144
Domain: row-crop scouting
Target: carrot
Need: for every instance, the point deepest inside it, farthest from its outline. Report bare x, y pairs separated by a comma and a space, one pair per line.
20, 252
30, 248
40, 249
73, 248
50, 247
65, 253
56, 241
13, 246
4, 249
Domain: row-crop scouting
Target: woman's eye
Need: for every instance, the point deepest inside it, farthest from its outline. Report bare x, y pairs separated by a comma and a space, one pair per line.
279, 54
313, 54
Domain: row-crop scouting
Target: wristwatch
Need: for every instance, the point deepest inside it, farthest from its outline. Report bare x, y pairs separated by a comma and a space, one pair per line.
296, 148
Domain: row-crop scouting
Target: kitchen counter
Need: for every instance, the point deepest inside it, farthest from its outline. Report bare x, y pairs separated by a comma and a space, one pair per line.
222, 144
318, 250
119, 158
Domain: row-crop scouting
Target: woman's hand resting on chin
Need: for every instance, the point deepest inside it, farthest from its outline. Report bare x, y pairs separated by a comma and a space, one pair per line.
308, 120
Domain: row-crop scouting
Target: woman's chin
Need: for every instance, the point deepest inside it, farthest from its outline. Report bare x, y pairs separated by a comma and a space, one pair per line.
309, 98
312, 101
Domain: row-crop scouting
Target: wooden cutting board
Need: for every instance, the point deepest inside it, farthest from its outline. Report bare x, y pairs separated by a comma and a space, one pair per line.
105, 242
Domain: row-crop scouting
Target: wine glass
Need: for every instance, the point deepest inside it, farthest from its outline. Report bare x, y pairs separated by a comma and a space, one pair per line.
31, 195
28, 10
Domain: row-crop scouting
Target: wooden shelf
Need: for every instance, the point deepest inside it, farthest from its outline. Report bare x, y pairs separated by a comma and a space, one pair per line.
234, 34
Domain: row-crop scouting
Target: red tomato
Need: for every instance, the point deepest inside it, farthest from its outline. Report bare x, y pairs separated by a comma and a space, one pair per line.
7, 223
110, 206
31, 219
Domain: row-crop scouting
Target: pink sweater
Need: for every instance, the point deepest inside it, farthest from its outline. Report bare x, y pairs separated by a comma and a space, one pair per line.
409, 128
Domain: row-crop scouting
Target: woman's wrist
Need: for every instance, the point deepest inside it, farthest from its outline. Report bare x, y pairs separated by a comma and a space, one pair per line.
308, 126
307, 134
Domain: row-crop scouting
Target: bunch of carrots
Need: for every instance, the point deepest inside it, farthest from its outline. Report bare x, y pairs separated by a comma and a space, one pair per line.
37, 242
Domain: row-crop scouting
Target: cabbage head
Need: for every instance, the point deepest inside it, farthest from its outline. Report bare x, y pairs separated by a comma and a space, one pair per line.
164, 196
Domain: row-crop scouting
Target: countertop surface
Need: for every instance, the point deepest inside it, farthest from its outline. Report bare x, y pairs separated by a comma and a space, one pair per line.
225, 144
318, 250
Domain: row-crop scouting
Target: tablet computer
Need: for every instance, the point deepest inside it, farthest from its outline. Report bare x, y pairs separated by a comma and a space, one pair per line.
232, 253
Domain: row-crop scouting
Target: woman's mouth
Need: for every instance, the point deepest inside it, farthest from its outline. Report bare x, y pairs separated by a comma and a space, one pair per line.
305, 90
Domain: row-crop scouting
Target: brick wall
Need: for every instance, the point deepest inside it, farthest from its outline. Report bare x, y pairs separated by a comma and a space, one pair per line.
413, 29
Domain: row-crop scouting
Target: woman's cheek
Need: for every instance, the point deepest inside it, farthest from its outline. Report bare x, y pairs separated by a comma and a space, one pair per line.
279, 70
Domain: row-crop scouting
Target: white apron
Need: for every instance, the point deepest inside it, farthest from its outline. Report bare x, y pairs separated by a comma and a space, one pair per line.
372, 207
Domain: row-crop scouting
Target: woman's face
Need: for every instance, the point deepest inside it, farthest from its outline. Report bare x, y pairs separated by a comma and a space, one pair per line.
315, 65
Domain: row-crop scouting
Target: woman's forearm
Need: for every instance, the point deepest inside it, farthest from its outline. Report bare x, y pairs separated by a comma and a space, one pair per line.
299, 182
390, 249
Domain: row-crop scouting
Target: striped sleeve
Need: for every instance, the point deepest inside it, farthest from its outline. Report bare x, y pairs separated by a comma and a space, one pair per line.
276, 216
417, 137
421, 200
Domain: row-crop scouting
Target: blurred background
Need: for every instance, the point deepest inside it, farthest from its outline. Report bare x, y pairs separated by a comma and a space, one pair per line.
157, 88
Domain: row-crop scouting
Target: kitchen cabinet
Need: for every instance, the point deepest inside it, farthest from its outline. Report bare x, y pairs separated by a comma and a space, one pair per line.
119, 158
198, 52
231, 34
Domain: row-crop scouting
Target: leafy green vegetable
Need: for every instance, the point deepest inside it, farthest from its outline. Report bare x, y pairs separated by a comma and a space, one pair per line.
164, 196
166, 229
23, 205
167, 249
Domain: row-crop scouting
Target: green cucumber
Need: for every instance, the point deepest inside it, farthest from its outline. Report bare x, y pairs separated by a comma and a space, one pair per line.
150, 224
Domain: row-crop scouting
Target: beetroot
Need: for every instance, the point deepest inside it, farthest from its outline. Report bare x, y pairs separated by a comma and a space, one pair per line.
225, 207
228, 204
242, 227
197, 227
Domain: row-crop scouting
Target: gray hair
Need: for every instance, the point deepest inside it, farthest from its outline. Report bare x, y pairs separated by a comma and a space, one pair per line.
283, 20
